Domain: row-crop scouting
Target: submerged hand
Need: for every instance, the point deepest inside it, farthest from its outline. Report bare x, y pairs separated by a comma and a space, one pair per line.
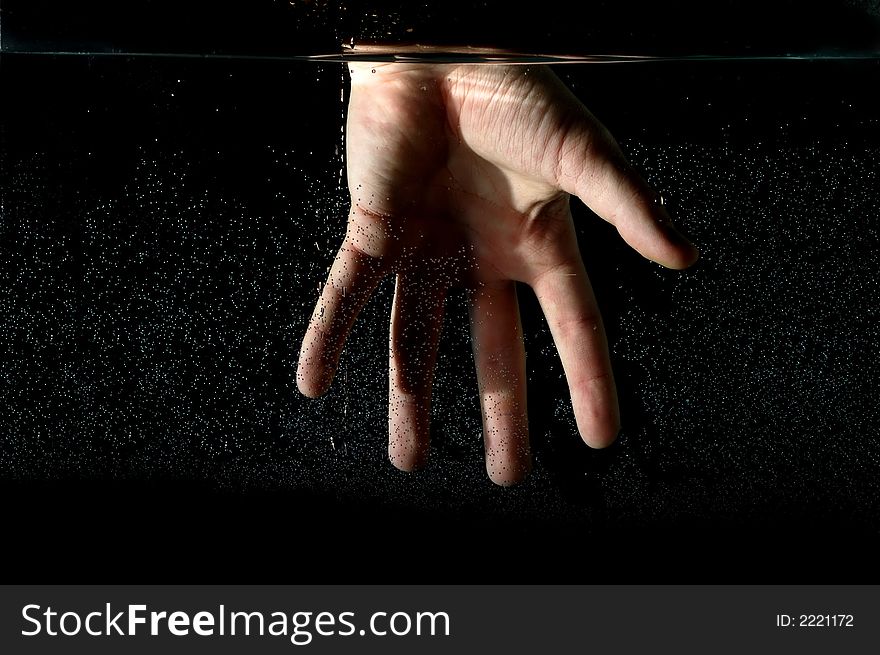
460, 176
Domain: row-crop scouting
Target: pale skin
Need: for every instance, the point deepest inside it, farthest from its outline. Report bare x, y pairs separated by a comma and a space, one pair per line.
461, 176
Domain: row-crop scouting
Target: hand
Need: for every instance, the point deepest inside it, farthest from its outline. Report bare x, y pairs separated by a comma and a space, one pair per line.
460, 175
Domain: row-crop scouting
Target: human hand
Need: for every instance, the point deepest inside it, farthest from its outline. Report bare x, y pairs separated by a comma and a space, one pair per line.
460, 176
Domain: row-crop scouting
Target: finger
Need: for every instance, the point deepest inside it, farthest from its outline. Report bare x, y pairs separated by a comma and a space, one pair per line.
352, 280
569, 305
416, 322
499, 356
592, 167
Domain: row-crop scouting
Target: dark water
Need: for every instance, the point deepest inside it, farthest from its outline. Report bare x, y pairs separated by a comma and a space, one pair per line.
165, 223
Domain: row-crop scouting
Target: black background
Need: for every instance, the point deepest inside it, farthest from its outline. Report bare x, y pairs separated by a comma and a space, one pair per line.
165, 224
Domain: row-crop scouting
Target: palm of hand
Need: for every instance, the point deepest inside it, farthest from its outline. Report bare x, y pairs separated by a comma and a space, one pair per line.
460, 177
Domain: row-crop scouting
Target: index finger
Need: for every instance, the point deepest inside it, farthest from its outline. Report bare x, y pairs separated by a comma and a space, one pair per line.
572, 314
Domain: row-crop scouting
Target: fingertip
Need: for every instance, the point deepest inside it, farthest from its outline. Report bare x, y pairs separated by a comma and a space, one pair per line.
509, 462
509, 476
682, 258
311, 390
506, 441
313, 384
648, 228
408, 462
600, 440
407, 448
683, 253
597, 412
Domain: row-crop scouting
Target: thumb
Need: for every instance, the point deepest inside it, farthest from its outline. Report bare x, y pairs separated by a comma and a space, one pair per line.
592, 167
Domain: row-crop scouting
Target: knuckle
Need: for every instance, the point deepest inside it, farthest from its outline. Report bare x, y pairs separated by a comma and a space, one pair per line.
574, 327
373, 237
549, 235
